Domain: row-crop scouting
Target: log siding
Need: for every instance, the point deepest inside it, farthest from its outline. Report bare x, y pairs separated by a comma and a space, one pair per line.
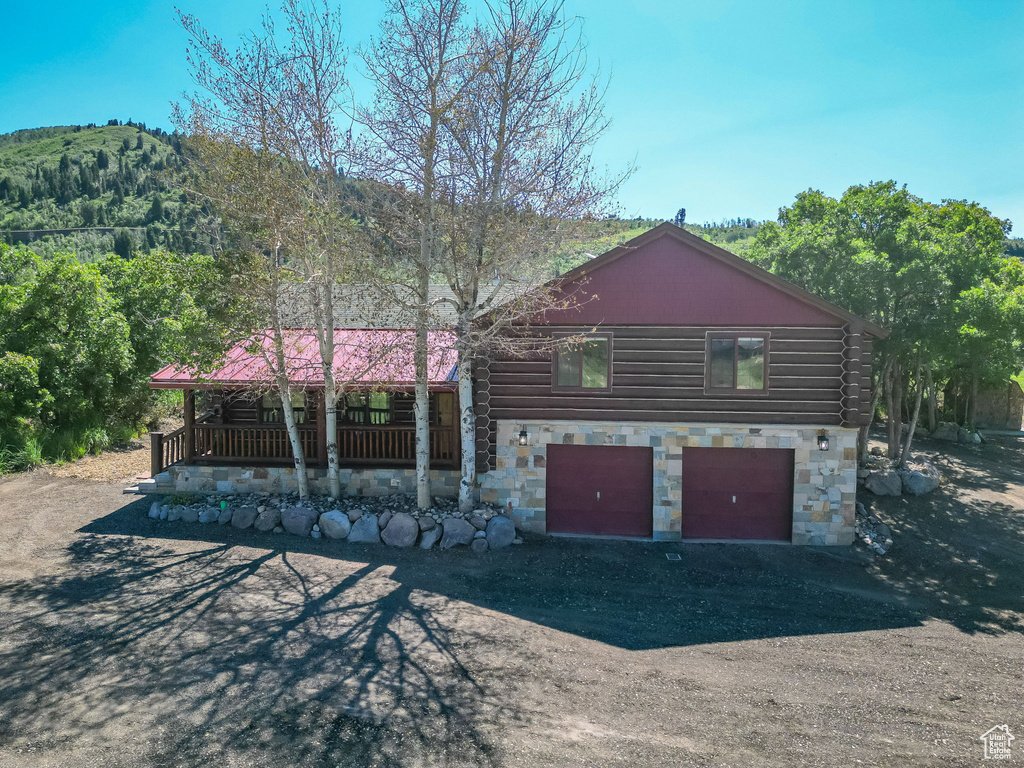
658, 375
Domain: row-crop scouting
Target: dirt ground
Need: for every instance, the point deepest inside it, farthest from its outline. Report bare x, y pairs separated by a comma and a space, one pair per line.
129, 642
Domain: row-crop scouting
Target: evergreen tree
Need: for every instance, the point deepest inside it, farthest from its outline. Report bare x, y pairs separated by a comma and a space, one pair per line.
102, 160
156, 210
65, 163
680, 217
123, 243
5, 188
23, 199
138, 141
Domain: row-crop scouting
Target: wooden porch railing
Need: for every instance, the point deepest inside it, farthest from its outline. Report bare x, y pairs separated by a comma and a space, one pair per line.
395, 445
166, 450
358, 445
260, 444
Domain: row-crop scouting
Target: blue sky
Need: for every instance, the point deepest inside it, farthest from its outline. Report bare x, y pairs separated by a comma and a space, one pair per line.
728, 107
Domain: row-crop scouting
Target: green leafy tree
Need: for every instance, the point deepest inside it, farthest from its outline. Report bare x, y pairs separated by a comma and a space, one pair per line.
901, 262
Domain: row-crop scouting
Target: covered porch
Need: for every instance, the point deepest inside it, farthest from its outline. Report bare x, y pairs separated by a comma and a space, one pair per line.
233, 415
214, 434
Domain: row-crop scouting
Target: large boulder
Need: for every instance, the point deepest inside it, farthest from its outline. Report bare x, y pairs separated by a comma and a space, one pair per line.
385, 518
335, 524
366, 530
501, 532
175, 513
225, 515
298, 521
243, 517
189, 514
918, 483
884, 483
268, 519
456, 532
209, 515
401, 530
947, 431
154, 510
430, 537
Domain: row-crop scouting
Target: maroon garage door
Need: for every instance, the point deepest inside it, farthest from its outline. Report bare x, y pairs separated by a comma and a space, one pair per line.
737, 493
600, 489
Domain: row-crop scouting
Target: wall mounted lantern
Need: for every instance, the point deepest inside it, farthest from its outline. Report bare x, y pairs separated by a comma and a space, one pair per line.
823, 440
524, 438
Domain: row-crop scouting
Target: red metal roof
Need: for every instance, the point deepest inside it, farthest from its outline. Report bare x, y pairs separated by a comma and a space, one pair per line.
363, 357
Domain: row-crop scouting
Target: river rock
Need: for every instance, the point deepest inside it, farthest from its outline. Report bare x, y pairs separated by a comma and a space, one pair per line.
918, 483
479, 545
354, 514
500, 532
268, 519
365, 530
456, 532
947, 431
225, 515
478, 522
189, 514
154, 510
164, 512
175, 514
401, 530
385, 518
335, 524
884, 483
298, 521
429, 537
427, 523
209, 515
243, 517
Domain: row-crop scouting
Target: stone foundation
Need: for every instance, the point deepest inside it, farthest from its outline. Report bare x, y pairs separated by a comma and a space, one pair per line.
354, 482
824, 482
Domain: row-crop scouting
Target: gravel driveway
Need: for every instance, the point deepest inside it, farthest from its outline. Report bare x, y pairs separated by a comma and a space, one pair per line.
129, 642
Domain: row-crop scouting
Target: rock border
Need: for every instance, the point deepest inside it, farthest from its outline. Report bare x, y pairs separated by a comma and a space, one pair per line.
393, 521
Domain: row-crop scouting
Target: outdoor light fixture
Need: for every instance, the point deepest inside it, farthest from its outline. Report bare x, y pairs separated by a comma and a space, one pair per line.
523, 438
823, 440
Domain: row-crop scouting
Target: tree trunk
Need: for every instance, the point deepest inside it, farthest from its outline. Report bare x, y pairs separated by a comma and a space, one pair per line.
876, 396
331, 419
421, 408
913, 420
972, 402
894, 408
293, 437
467, 432
933, 400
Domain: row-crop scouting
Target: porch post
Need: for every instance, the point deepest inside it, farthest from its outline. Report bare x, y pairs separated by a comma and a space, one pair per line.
190, 423
321, 430
156, 453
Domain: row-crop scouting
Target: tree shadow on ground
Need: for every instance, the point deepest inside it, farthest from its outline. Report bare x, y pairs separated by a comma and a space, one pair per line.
271, 649
238, 653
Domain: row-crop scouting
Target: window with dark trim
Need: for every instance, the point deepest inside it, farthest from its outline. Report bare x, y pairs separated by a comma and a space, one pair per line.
272, 411
368, 408
736, 362
584, 365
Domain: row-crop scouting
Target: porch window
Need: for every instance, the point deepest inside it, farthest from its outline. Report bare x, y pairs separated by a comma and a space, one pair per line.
272, 410
736, 362
584, 365
368, 407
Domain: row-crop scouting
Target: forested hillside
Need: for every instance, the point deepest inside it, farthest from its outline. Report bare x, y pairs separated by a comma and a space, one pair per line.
91, 190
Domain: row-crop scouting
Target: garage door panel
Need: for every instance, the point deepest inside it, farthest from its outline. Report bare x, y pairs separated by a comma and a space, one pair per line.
737, 493
603, 490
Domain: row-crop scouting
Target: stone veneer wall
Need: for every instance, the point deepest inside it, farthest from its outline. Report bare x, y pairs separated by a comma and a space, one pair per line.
824, 483
355, 482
